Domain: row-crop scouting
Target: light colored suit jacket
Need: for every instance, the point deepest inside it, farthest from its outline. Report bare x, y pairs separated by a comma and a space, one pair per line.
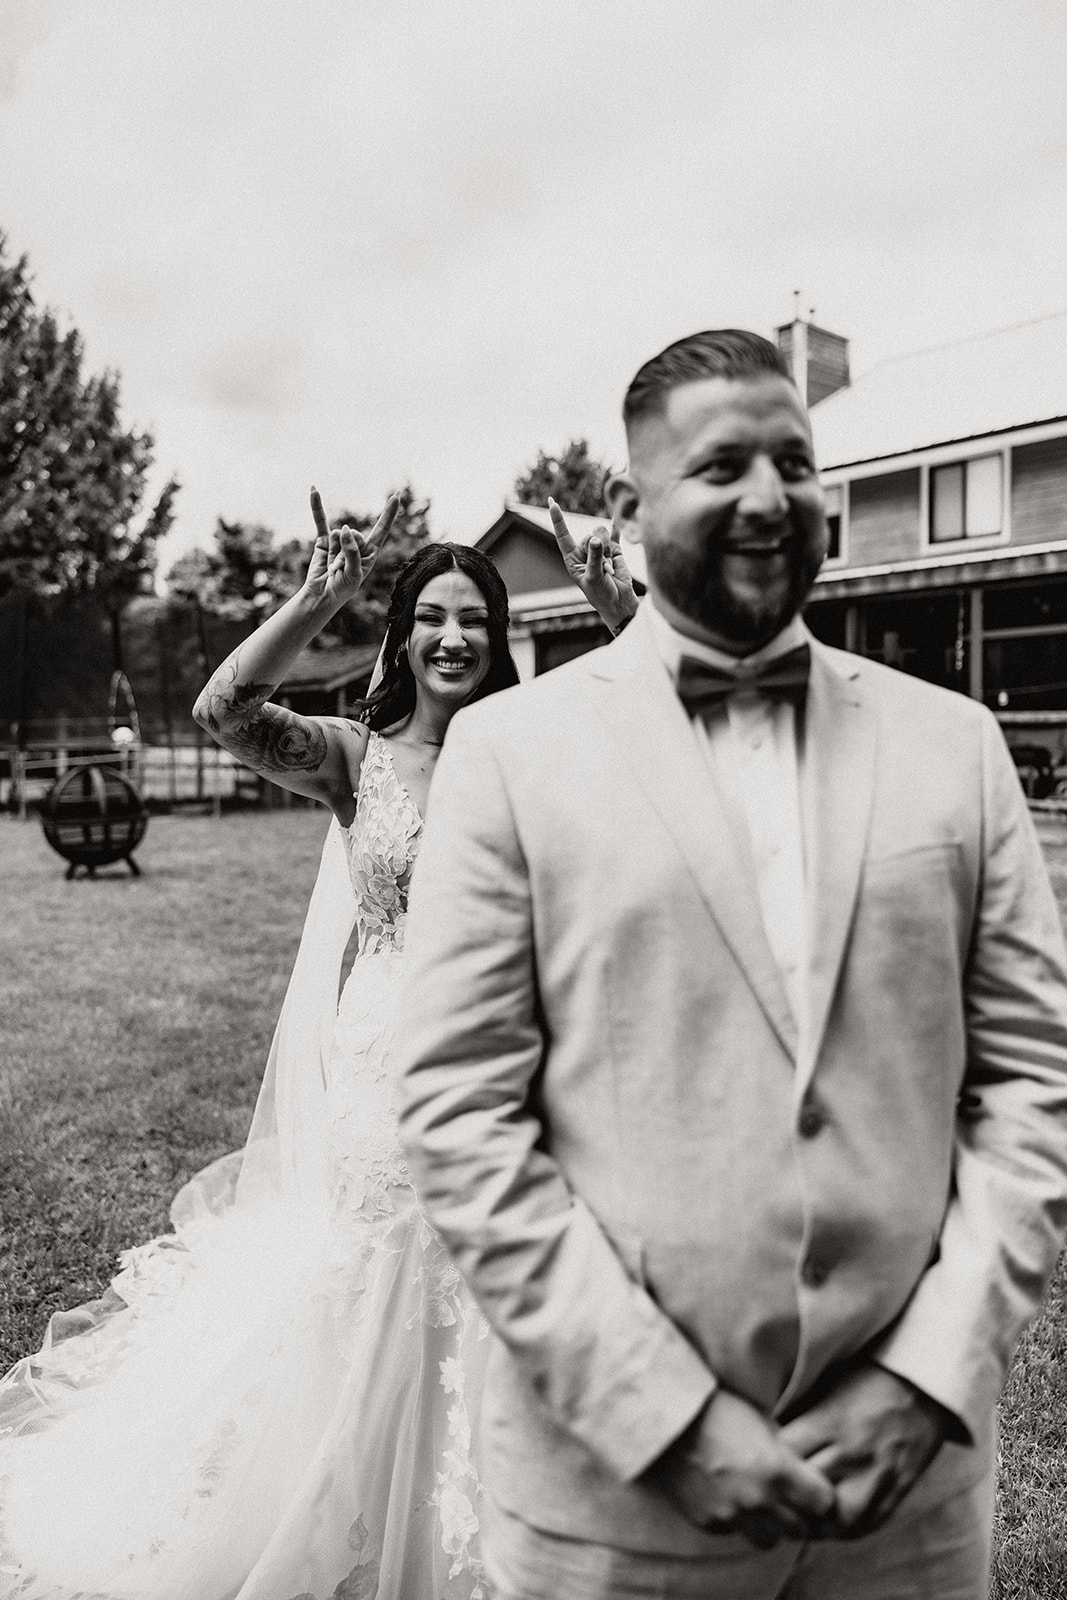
648, 1189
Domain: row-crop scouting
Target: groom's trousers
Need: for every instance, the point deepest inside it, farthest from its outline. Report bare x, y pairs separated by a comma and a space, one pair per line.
938, 1553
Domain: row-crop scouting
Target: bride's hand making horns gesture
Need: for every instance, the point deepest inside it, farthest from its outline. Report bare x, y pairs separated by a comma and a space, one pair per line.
342, 557
598, 567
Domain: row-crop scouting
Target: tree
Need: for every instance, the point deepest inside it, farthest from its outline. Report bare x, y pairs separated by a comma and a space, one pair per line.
574, 479
247, 575
72, 478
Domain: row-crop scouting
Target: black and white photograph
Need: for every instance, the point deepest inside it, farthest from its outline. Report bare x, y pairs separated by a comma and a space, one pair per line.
533, 800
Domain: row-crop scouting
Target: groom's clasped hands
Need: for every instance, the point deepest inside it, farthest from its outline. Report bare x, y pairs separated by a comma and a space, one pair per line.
834, 1471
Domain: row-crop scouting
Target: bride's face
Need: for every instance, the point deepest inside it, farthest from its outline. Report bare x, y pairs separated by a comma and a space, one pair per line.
448, 647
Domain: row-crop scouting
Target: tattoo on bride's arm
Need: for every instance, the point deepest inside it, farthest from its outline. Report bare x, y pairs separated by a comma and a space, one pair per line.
260, 733
281, 741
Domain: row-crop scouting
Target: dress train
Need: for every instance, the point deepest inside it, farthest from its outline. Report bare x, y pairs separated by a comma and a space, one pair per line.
276, 1401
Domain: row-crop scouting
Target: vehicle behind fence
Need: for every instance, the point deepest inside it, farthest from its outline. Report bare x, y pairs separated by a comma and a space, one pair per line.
1038, 744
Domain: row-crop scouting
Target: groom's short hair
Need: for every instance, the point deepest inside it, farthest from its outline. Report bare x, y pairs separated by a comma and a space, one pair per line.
716, 353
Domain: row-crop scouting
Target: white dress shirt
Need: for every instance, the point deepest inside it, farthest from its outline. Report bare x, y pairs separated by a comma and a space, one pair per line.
751, 747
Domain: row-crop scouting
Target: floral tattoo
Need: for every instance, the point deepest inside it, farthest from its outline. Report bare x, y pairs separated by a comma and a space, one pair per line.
265, 736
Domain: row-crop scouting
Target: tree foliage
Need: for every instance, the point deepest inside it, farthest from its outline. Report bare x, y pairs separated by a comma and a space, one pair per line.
574, 479
72, 478
247, 575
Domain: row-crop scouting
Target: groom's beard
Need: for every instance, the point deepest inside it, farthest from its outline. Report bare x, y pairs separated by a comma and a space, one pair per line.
696, 585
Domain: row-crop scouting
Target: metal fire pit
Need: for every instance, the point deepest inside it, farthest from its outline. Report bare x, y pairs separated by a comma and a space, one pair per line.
93, 816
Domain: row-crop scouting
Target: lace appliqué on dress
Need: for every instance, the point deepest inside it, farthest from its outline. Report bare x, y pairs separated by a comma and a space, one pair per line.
458, 1483
362, 1582
368, 1173
382, 844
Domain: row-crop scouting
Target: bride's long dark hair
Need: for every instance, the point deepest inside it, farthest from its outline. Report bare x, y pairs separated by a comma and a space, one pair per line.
394, 698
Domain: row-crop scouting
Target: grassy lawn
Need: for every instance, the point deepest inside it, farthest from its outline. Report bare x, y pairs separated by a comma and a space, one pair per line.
137, 1014
1030, 1561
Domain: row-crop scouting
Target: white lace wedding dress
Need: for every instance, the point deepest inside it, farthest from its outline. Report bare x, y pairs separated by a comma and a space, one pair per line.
275, 1401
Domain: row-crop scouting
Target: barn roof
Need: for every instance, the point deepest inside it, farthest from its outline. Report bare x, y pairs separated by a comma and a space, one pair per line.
538, 521
331, 668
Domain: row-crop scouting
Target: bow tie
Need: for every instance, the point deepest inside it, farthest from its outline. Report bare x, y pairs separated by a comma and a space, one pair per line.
702, 687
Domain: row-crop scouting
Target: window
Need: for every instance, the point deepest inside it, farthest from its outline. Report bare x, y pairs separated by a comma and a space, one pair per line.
835, 506
966, 499
1025, 660
1026, 605
1026, 674
927, 635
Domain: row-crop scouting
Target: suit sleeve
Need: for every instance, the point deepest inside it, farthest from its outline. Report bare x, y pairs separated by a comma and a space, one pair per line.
610, 1366
1008, 1207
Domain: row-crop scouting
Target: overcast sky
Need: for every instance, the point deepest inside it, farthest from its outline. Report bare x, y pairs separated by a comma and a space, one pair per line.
356, 242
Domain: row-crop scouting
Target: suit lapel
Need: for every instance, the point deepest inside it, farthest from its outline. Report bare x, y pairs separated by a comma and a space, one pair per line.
636, 699
838, 787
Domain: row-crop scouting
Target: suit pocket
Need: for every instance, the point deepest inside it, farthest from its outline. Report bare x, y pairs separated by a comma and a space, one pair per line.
920, 885
907, 951
914, 858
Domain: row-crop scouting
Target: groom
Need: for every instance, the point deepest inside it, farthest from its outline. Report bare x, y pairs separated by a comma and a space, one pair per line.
736, 1061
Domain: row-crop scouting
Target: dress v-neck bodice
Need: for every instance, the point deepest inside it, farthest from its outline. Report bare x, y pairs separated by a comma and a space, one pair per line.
381, 844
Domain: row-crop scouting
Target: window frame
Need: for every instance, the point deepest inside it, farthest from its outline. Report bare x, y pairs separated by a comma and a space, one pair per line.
841, 558
965, 541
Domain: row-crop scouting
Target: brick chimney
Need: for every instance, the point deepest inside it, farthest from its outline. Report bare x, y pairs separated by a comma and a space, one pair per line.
817, 359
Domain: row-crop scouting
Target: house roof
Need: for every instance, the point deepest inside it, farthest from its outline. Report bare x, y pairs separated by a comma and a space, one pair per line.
1011, 378
331, 668
538, 520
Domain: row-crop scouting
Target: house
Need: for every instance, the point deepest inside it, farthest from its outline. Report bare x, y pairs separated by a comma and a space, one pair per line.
946, 471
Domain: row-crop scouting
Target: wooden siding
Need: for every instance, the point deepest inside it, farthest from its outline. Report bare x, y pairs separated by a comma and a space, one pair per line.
1039, 491
528, 564
883, 518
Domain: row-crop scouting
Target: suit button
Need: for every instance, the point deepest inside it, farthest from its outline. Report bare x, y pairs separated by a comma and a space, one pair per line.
812, 1120
814, 1272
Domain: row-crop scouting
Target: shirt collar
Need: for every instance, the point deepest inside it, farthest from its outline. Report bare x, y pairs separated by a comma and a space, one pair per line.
671, 646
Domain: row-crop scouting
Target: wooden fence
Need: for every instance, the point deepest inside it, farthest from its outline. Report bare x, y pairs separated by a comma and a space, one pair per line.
190, 774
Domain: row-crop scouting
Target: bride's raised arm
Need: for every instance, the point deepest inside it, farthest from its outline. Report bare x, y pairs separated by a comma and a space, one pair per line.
597, 566
316, 756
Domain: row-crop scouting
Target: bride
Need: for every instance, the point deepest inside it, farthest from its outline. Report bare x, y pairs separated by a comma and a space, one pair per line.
278, 1400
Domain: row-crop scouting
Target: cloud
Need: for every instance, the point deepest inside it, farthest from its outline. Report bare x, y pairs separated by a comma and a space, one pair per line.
255, 376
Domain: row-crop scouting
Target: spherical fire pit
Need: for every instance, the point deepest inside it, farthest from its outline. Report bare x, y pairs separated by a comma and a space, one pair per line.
93, 816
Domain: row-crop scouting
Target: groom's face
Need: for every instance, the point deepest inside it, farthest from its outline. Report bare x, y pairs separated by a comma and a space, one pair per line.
722, 492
